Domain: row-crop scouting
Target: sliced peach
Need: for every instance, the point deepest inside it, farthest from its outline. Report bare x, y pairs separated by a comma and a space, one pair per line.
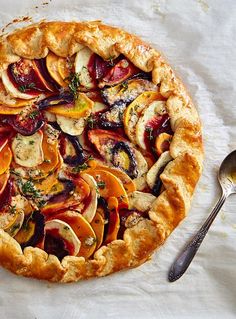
11, 110
113, 226
5, 159
134, 110
52, 67
127, 182
66, 66
98, 227
51, 157
83, 231
162, 143
3, 181
91, 203
109, 185
46, 185
81, 108
52, 208
7, 101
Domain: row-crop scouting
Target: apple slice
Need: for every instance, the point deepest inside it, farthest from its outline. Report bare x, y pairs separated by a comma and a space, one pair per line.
27, 150
134, 110
70, 125
155, 109
60, 239
13, 91
91, 207
81, 67
153, 175
83, 231
52, 64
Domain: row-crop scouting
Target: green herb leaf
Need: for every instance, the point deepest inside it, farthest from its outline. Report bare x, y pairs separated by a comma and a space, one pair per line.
101, 184
149, 130
74, 83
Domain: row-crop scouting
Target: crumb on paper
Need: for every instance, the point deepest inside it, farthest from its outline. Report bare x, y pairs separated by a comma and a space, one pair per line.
157, 8
16, 20
222, 216
204, 5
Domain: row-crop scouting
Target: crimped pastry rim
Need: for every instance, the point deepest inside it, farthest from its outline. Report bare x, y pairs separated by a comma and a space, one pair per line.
179, 177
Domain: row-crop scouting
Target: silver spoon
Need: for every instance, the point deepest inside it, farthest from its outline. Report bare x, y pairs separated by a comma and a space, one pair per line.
227, 180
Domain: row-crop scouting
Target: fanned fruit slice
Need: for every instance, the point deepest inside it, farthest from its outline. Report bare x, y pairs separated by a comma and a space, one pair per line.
81, 68
24, 79
80, 108
52, 63
5, 158
82, 229
135, 109
116, 150
97, 224
109, 185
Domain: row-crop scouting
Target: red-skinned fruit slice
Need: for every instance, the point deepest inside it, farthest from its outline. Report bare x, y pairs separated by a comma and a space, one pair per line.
97, 67
6, 193
26, 78
162, 143
3, 181
5, 158
52, 63
118, 74
83, 231
3, 141
81, 67
27, 123
98, 227
113, 226
135, 109
91, 202
60, 239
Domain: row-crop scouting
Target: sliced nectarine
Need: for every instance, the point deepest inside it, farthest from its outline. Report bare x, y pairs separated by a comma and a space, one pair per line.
3, 181
109, 185
127, 182
53, 68
65, 66
46, 185
134, 110
6, 110
162, 143
51, 157
83, 231
98, 227
113, 226
80, 108
5, 159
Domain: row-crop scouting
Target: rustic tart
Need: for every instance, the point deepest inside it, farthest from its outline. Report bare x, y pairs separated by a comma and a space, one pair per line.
100, 150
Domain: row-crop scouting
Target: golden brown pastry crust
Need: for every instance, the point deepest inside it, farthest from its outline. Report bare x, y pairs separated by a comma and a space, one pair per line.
179, 177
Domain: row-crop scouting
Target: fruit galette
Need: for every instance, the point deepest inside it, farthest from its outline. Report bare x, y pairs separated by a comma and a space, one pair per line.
100, 150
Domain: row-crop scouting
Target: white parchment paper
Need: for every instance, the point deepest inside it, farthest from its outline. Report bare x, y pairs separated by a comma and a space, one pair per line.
198, 39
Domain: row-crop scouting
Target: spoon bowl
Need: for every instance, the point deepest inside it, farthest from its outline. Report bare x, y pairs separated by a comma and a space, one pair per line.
227, 174
227, 180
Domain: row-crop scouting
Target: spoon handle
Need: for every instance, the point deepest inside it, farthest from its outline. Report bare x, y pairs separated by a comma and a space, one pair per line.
182, 262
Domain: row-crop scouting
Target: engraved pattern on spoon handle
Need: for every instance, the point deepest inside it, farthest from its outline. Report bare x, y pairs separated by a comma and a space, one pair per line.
181, 264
